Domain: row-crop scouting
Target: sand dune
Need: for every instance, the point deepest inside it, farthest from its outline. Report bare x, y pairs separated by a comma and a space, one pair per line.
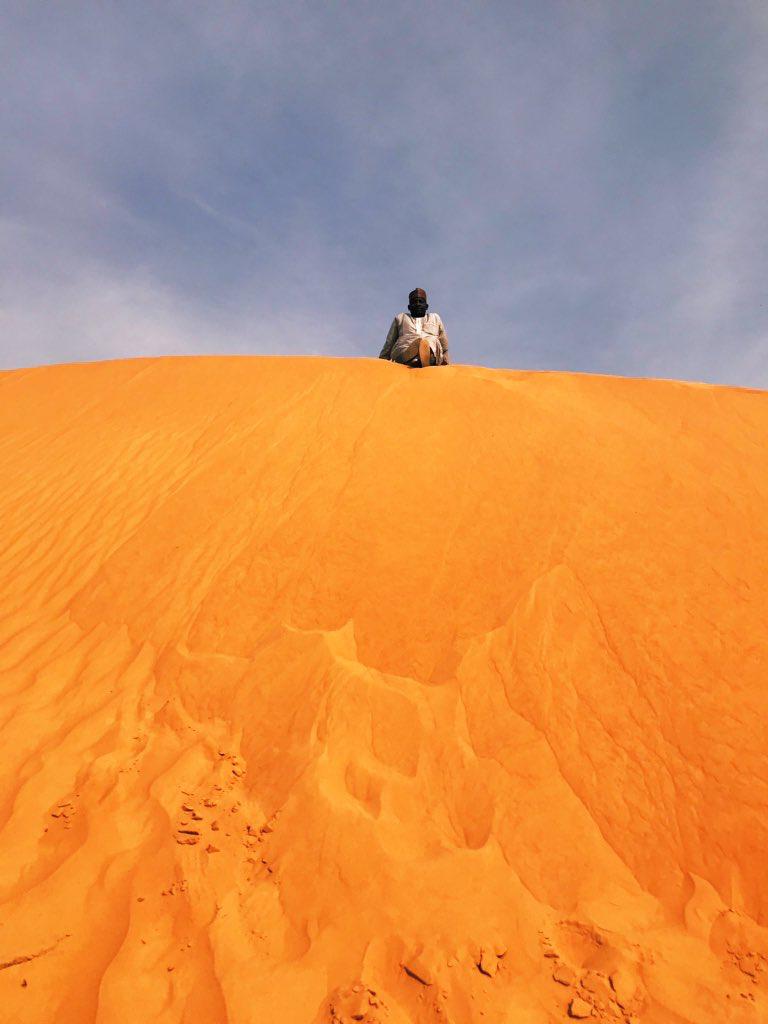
336, 692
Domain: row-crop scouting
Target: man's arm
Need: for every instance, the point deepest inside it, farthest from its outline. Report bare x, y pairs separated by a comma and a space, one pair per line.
443, 337
392, 337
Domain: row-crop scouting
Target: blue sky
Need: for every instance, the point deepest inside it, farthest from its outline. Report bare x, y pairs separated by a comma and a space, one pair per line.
579, 186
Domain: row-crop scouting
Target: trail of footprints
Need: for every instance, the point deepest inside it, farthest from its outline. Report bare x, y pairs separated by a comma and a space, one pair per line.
216, 815
64, 812
591, 995
596, 995
752, 968
357, 1004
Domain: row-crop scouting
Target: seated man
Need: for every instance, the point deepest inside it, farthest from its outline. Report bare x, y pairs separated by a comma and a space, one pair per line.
417, 338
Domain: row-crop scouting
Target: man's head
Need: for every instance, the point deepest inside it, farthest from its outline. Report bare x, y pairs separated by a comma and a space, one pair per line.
417, 302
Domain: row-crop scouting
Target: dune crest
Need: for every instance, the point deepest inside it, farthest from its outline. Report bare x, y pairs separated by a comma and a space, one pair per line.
336, 692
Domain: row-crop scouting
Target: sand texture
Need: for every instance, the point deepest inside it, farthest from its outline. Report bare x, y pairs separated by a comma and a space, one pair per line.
332, 691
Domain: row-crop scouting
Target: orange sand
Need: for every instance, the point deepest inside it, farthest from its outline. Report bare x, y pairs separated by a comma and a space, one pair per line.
334, 691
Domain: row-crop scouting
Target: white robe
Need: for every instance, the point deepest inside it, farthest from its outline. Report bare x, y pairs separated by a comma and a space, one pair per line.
407, 331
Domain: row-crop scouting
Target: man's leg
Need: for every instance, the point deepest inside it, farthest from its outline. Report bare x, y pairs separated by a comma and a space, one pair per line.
425, 352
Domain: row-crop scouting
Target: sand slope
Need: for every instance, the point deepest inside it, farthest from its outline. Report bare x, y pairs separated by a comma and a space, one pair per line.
333, 691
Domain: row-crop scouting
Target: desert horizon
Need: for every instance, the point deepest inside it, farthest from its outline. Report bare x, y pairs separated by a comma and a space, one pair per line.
330, 357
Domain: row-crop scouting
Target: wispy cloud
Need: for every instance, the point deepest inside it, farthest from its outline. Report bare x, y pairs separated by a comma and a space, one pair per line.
578, 186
